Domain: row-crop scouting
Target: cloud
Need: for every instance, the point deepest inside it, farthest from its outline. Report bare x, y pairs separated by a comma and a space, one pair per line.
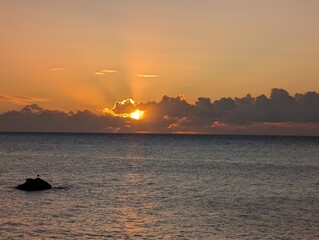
280, 113
33, 118
126, 109
147, 75
108, 71
20, 100
103, 71
99, 73
57, 69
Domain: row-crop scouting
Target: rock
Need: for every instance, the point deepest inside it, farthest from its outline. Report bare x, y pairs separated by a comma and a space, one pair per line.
36, 184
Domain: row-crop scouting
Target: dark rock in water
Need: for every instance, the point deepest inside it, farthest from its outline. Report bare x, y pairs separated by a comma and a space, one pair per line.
36, 184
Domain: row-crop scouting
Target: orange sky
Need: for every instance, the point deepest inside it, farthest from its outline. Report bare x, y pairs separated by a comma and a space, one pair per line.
80, 54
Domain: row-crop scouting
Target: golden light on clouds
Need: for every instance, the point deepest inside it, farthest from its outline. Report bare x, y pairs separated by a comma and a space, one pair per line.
108, 71
147, 75
98, 73
137, 114
103, 71
125, 109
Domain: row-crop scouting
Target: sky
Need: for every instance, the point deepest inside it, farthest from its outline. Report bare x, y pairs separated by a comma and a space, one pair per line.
70, 55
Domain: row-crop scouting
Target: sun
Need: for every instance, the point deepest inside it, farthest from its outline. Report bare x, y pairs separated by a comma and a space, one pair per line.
137, 114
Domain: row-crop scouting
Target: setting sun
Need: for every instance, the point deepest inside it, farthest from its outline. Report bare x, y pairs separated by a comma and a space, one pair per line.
137, 114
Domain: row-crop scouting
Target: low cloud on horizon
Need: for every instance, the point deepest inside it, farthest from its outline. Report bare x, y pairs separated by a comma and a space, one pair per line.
280, 114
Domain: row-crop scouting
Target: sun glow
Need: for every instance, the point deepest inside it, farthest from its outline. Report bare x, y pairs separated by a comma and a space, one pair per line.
137, 114
123, 109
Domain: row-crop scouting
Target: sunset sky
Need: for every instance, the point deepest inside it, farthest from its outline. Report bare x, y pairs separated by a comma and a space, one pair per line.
71, 55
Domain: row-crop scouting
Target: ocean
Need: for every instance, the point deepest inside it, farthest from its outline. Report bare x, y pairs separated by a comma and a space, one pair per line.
139, 186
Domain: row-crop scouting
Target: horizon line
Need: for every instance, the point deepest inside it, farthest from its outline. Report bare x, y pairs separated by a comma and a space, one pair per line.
154, 133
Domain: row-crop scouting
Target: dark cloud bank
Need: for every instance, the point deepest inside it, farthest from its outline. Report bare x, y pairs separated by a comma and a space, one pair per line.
280, 114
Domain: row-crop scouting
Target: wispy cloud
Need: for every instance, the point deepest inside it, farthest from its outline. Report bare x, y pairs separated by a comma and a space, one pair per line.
20, 100
98, 73
147, 75
104, 71
57, 69
108, 71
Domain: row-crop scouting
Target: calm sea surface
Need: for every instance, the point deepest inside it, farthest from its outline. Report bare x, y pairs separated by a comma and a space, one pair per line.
160, 187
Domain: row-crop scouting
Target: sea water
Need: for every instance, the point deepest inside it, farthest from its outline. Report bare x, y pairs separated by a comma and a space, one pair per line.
108, 186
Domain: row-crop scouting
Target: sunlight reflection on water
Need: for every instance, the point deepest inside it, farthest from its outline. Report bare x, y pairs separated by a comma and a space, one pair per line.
160, 187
